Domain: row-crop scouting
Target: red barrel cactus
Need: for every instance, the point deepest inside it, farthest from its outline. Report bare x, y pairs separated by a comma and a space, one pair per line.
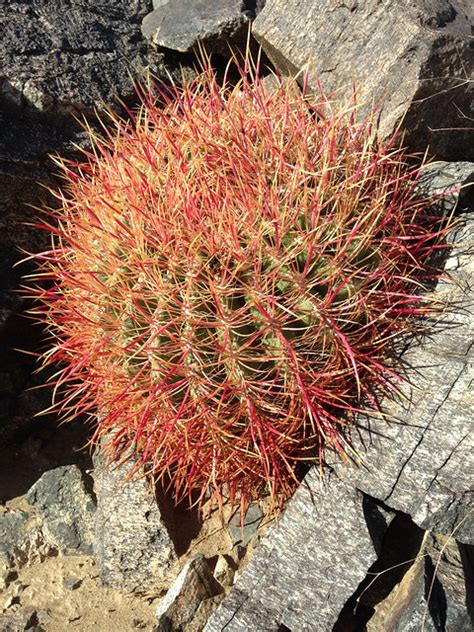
228, 270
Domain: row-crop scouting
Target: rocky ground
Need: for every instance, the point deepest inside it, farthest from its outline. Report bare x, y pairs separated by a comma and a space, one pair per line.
387, 547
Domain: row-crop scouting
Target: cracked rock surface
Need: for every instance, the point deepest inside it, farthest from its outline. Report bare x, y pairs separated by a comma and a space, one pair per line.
51, 49
420, 462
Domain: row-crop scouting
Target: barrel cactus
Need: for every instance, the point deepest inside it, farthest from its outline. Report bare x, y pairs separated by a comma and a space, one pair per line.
228, 270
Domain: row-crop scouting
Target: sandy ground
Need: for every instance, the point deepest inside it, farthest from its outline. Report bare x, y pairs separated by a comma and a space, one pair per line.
66, 594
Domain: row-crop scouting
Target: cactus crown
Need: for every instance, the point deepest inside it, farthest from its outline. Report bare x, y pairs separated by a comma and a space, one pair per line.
228, 271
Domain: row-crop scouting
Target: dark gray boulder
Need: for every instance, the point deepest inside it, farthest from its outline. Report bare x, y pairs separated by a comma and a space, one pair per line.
182, 24
65, 56
415, 58
64, 501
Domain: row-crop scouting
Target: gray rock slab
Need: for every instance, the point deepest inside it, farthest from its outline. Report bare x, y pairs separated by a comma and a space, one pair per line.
415, 58
422, 462
64, 501
181, 24
194, 586
306, 567
132, 547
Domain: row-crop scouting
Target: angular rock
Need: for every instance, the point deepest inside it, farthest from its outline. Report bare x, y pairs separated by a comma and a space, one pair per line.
307, 566
421, 463
20, 621
63, 499
181, 24
414, 57
431, 596
194, 587
132, 547
22, 541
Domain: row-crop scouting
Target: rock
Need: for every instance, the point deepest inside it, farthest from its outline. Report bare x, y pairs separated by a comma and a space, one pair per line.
71, 583
431, 596
22, 620
43, 616
194, 586
453, 182
22, 541
132, 547
400, 547
420, 463
159, 3
73, 59
63, 499
252, 520
11, 525
310, 564
224, 570
203, 613
415, 59
180, 24
56, 59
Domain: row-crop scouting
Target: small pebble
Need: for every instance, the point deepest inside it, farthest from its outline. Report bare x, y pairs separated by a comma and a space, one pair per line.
71, 583
74, 617
10, 602
136, 623
43, 615
223, 571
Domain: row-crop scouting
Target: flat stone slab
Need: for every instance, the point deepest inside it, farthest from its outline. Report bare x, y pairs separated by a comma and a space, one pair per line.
308, 565
180, 25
